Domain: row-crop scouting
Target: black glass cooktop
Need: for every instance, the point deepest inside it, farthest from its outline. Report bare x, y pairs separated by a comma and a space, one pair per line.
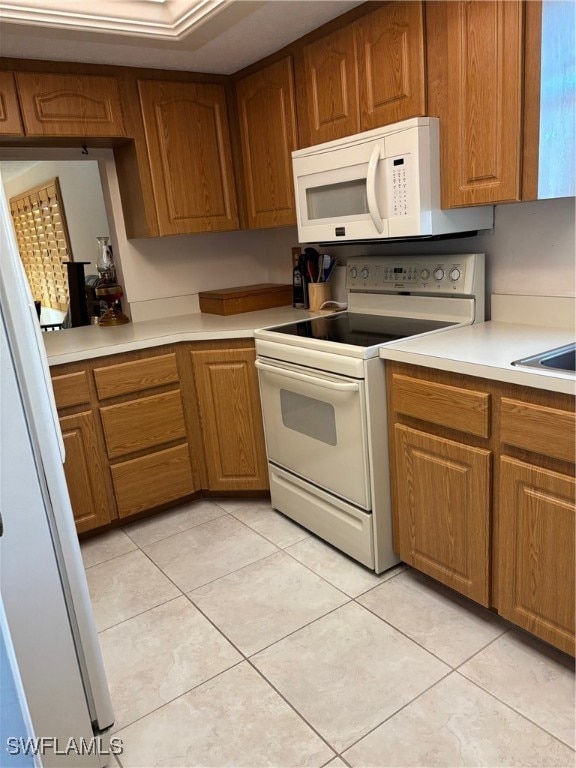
359, 330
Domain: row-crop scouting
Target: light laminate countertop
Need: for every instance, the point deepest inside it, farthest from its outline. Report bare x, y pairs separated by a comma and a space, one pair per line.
92, 341
487, 350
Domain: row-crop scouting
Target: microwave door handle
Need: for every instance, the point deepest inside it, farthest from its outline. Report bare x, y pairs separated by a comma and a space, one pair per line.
326, 383
371, 189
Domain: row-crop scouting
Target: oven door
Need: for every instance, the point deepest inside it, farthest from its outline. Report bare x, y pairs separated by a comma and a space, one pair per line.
315, 426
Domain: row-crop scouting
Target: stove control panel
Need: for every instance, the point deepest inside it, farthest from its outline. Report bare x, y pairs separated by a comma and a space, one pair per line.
459, 274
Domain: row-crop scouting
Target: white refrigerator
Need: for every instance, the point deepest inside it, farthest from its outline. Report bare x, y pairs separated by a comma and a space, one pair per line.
45, 606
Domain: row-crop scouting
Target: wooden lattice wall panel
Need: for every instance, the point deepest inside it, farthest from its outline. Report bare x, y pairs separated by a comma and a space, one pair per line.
43, 242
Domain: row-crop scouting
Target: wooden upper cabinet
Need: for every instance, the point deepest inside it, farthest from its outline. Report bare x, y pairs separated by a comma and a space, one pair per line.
70, 105
188, 142
267, 114
390, 52
475, 60
10, 122
330, 86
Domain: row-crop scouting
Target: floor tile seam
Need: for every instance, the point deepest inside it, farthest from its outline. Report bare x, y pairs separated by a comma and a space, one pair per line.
114, 557
517, 711
294, 631
256, 532
169, 536
118, 761
294, 709
216, 627
400, 631
490, 642
390, 578
351, 597
260, 650
280, 547
393, 714
180, 695
141, 613
199, 586
219, 578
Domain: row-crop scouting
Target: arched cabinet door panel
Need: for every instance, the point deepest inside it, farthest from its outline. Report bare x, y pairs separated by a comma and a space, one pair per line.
188, 144
267, 115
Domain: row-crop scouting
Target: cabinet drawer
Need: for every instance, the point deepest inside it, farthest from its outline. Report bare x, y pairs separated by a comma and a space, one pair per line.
152, 480
123, 378
143, 423
453, 407
548, 431
71, 389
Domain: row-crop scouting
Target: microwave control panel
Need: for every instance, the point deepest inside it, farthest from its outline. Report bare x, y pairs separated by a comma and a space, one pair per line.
448, 274
399, 185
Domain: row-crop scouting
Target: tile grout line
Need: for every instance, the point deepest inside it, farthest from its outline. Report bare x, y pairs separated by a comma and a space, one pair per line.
175, 533
393, 714
141, 613
293, 708
517, 711
114, 557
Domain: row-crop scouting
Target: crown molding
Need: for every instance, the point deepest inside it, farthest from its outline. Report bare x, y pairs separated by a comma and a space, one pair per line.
160, 19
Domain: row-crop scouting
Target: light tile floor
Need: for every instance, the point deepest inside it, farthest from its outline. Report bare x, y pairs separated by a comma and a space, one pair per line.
233, 638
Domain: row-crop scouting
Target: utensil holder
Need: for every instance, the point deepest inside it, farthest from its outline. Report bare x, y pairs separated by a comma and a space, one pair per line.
318, 293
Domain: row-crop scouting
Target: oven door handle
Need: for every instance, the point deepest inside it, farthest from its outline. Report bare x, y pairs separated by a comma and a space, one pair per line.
316, 380
371, 190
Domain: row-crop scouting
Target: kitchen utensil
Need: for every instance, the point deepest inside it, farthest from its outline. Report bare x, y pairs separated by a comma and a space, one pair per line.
318, 293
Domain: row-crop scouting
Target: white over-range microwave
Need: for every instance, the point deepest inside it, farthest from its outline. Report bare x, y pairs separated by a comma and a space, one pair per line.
379, 184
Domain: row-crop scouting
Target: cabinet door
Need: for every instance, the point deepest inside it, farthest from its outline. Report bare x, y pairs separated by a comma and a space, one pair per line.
188, 141
331, 88
475, 55
443, 497
84, 468
268, 131
231, 418
390, 50
10, 121
536, 551
70, 105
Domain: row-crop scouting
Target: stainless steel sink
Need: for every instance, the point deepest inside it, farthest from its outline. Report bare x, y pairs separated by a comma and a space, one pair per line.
560, 359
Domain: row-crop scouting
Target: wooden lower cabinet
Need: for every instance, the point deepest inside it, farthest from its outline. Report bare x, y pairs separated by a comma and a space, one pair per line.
537, 516
444, 510
486, 502
151, 480
84, 468
232, 431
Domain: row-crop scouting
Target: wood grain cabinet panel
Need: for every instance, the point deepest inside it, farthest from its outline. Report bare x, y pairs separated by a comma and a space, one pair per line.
537, 428
267, 114
10, 121
391, 64
70, 105
84, 469
188, 142
536, 537
331, 88
444, 510
71, 389
152, 480
142, 424
453, 407
231, 417
475, 75
135, 375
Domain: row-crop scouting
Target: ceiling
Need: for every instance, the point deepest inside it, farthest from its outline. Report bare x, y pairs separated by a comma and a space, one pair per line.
218, 36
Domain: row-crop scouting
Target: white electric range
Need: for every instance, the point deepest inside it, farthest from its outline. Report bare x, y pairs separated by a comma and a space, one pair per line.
323, 393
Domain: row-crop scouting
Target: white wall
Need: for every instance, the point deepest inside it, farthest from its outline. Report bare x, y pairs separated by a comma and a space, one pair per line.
83, 201
530, 251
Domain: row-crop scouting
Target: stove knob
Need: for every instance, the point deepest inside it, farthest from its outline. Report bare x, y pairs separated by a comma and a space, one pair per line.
438, 273
455, 274
365, 273
353, 273
425, 274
